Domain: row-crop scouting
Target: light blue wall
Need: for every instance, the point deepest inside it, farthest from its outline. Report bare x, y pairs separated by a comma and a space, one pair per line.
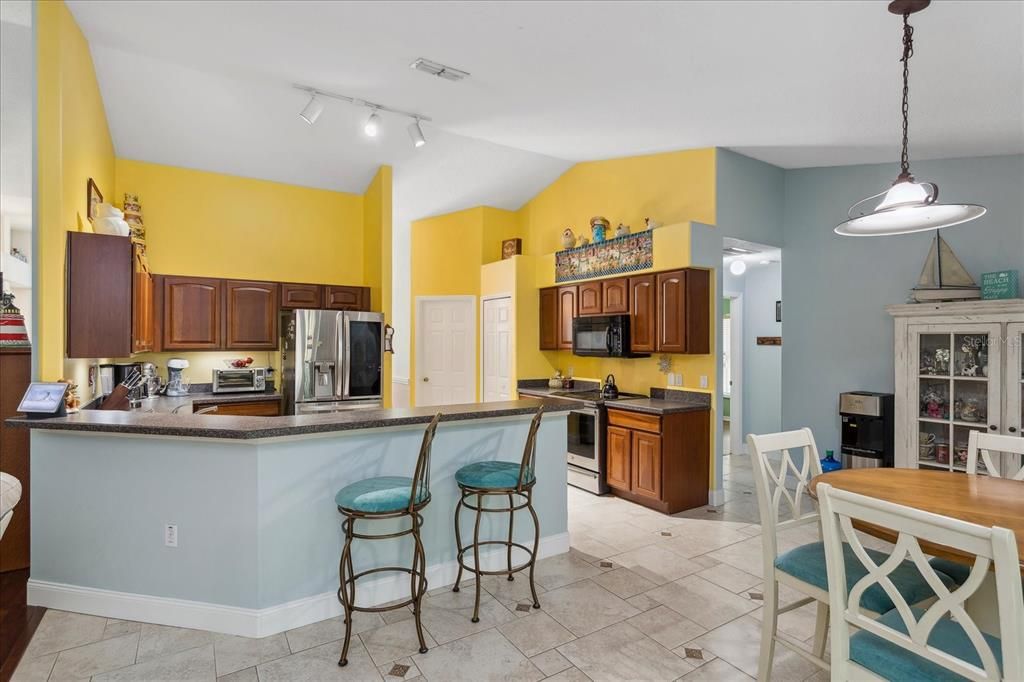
838, 336
256, 520
749, 200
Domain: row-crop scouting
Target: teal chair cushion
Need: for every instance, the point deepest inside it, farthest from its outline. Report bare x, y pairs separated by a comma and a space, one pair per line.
491, 475
379, 495
807, 563
896, 663
954, 569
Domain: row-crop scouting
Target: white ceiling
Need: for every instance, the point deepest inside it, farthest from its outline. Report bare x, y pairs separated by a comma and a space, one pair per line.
794, 83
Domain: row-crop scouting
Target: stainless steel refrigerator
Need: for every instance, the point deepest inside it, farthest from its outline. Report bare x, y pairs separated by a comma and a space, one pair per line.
331, 360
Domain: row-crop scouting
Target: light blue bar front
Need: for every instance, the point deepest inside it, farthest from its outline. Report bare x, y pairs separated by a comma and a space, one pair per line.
257, 524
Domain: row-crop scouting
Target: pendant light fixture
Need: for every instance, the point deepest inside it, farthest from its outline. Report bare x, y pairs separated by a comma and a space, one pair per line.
909, 205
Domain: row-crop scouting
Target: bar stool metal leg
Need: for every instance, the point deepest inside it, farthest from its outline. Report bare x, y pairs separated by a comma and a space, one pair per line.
458, 542
347, 599
536, 544
476, 556
511, 523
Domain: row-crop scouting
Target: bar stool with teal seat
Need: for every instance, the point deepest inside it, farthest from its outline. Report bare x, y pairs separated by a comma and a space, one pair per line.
375, 499
482, 480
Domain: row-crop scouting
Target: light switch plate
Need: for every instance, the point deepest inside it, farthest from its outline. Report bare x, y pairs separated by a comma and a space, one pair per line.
703, 380
171, 535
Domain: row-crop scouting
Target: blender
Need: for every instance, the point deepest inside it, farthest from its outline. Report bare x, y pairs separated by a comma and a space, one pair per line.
176, 388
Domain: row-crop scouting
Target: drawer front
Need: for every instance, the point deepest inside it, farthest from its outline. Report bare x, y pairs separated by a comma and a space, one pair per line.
255, 408
635, 420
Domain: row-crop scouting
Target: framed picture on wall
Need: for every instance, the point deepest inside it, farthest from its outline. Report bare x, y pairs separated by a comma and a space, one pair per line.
778, 311
95, 198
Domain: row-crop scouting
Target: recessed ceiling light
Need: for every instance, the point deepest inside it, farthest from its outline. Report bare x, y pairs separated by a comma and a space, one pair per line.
416, 133
311, 112
440, 70
737, 267
372, 125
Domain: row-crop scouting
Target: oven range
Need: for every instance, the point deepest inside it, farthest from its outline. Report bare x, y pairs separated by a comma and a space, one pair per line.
586, 449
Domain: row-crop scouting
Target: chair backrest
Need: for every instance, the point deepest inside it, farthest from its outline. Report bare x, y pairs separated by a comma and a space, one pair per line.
986, 444
998, 546
421, 478
530, 450
771, 484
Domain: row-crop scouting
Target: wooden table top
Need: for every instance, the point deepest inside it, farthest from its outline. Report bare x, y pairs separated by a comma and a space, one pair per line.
983, 500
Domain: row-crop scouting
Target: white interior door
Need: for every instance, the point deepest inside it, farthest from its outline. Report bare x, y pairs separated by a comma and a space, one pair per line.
446, 350
497, 340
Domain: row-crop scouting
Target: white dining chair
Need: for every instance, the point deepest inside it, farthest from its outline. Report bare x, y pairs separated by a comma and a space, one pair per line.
908, 643
985, 444
803, 568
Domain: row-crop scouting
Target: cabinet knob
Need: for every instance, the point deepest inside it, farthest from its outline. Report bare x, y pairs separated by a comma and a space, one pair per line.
1013, 429
993, 427
426, 379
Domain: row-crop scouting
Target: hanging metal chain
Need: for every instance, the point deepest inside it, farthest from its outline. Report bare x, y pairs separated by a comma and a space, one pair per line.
908, 52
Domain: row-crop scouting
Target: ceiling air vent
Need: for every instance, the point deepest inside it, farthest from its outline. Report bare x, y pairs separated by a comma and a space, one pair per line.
439, 70
737, 251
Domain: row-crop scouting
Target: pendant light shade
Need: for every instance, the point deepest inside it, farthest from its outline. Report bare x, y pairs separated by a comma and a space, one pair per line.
907, 206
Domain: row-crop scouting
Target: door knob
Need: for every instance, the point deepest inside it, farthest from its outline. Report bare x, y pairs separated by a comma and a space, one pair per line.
426, 379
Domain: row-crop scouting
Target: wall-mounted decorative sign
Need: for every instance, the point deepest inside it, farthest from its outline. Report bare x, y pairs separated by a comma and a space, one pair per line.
612, 257
769, 340
1002, 284
511, 247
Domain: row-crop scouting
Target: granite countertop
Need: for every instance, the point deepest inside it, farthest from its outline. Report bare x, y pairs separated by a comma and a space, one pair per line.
654, 406
249, 428
662, 401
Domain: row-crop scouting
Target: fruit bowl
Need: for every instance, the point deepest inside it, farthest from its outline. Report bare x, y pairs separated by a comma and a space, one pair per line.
238, 363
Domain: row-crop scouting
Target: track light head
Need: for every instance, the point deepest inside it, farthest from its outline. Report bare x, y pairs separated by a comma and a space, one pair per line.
372, 125
416, 134
311, 112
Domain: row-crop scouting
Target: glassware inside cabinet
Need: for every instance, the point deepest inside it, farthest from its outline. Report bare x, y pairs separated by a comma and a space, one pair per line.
934, 398
970, 355
934, 355
970, 401
933, 444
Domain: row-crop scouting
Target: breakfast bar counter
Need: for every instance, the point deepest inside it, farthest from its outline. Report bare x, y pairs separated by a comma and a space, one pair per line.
229, 523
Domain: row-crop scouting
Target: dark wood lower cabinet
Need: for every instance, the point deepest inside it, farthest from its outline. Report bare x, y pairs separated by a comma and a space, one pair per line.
16, 374
249, 408
662, 462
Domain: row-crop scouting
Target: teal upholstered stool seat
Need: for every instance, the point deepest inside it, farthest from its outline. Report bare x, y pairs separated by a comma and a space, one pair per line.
896, 663
807, 563
492, 475
380, 495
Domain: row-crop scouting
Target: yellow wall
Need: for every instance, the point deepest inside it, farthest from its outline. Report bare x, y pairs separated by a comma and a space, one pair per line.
73, 145
214, 225
377, 254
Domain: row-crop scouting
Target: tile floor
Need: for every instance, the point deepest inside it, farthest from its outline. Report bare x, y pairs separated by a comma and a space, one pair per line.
641, 596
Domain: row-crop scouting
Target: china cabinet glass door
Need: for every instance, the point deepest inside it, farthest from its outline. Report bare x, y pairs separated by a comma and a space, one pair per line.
958, 387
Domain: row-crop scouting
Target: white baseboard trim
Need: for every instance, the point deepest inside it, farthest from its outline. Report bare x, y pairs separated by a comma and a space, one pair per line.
716, 497
235, 620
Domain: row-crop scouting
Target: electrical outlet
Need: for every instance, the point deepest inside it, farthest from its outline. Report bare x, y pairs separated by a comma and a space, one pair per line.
171, 535
679, 379
571, 372
703, 380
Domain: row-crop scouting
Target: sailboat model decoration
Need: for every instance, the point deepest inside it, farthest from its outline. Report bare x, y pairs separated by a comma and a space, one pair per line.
944, 277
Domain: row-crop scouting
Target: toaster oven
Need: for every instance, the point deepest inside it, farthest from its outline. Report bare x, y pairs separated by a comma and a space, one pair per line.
246, 380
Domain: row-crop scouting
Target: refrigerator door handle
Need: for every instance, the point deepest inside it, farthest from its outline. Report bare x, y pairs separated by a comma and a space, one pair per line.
346, 356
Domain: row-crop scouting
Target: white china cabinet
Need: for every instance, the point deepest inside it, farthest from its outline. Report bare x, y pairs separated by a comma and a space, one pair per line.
958, 368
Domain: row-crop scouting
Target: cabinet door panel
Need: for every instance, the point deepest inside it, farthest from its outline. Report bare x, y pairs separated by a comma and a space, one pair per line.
346, 298
99, 296
142, 304
250, 315
646, 464
589, 298
549, 319
617, 472
566, 314
615, 296
191, 313
671, 312
301, 295
643, 314
254, 408
698, 311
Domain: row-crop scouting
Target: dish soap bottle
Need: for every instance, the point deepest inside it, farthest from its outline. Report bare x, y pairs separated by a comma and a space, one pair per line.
830, 463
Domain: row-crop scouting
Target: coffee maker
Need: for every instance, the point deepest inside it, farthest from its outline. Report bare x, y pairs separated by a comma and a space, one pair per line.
176, 387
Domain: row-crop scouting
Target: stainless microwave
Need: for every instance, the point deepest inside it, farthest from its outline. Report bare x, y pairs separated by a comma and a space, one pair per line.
246, 380
603, 336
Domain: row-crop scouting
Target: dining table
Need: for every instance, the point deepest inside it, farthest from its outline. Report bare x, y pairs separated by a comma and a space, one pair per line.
980, 499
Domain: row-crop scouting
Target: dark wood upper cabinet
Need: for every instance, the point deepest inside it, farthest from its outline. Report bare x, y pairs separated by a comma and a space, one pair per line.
589, 298
643, 313
143, 334
250, 315
99, 296
346, 298
567, 312
301, 295
615, 296
698, 311
549, 319
671, 299
191, 317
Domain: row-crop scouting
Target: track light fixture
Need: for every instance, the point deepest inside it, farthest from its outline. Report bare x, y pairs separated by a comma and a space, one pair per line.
416, 134
372, 125
371, 128
311, 112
